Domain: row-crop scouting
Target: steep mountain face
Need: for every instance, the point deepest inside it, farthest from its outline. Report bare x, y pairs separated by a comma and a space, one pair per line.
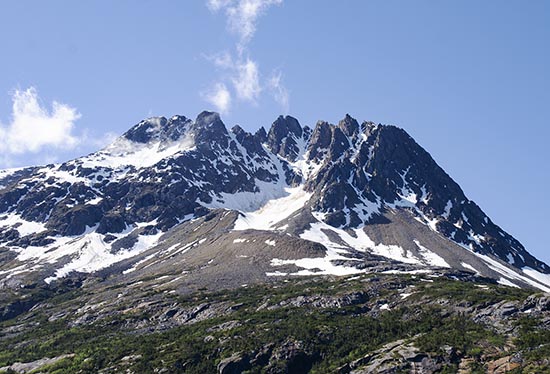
172, 194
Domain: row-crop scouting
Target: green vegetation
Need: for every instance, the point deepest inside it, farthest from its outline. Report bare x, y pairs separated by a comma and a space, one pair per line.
473, 295
461, 333
260, 321
533, 340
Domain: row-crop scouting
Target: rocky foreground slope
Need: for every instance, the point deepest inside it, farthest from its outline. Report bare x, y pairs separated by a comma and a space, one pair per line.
450, 323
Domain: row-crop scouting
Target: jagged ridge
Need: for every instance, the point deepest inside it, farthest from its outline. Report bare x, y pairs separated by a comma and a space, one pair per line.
340, 180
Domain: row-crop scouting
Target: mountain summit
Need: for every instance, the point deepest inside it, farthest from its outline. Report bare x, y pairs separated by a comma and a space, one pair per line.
230, 207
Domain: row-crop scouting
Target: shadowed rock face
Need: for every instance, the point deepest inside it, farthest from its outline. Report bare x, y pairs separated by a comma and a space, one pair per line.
165, 171
283, 136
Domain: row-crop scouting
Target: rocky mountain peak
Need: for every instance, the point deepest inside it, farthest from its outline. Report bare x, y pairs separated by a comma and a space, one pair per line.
252, 143
261, 135
349, 125
209, 129
285, 125
320, 140
176, 127
146, 130
284, 136
207, 119
158, 129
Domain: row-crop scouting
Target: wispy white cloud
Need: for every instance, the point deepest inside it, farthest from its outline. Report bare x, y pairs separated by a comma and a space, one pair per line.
219, 96
106, 139
241, 71
95, 141
242, 16
33, 127
215, 5
222, 60
280, 92
247, 80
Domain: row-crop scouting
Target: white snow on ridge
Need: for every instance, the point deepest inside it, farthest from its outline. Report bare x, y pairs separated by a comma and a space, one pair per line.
266, 216
124, 152
24, 227
94, 254
61, 176
469, 267
318, 265
302, 165
338, 251
276, 274
537, 275
431, 258
539, 280
361, 242
7, 172
506, 282
85, 253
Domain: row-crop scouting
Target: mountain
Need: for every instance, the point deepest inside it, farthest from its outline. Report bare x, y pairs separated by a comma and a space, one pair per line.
184, 247
219, 208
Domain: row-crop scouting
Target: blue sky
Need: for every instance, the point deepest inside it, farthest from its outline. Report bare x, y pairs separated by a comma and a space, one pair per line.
468, 80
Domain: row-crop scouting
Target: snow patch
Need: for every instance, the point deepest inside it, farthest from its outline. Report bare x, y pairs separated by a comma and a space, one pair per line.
418, 271
137, 264
431, 257
537, 275
94, 201
267, 214
124, 152
318, 265
506, 282
90, 253
356, 240
511, 274
24, 227
482, 286
276, 274
469, 267
360, 241
448, 208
